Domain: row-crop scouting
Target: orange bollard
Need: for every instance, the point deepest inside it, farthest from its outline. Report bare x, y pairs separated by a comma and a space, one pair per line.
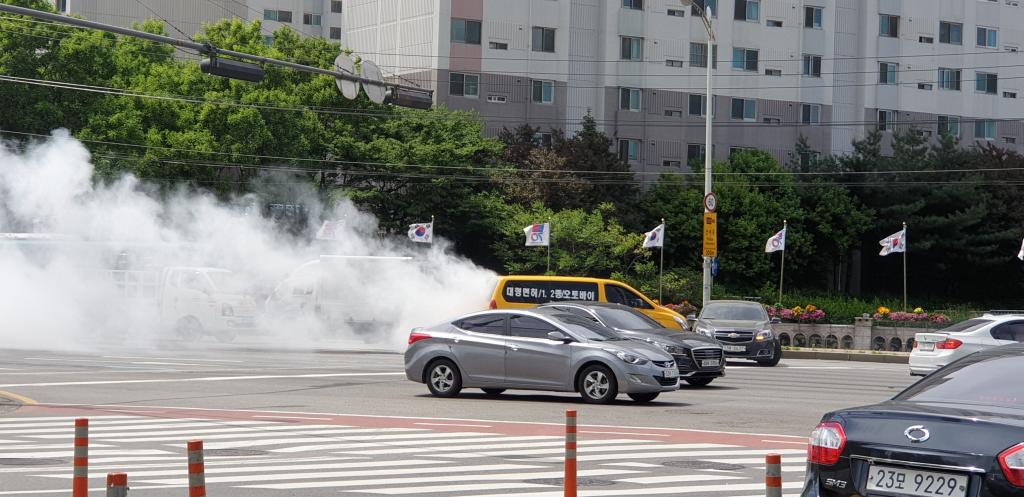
570, 453
196, 470
117, 485
80, 478
773, 475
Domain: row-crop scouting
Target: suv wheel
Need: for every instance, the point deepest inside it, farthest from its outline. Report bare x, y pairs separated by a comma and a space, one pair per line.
776, 357
699, 382
597, 385
444, 379
643, 398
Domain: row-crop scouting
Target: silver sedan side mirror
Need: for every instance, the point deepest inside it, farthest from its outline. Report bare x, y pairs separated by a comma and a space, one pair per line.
558, 336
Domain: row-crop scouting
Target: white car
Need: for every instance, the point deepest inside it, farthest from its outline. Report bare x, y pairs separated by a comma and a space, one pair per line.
934, 350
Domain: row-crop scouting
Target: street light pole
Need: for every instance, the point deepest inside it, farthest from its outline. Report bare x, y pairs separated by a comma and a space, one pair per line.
708, 147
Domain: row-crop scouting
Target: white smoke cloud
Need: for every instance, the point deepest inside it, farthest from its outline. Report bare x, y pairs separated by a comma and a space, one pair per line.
67, 280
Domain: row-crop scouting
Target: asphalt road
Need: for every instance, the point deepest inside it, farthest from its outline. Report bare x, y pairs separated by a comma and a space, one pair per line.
278, 421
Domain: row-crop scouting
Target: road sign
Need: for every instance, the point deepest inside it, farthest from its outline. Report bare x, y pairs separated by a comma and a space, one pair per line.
710, 202
710, 234
375, 91
349, 88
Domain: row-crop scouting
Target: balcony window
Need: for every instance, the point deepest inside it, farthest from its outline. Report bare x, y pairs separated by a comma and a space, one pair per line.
888, 26
466, 31
543, 39
632, 48
951, 33
745, 59
464, 85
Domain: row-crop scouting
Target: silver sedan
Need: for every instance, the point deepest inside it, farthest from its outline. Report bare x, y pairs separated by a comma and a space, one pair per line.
537, 349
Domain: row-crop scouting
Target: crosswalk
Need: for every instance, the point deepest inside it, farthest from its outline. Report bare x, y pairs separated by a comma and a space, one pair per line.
272, 457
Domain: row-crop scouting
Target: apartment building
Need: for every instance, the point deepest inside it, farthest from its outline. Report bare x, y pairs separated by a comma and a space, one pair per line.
827, 70
309, 17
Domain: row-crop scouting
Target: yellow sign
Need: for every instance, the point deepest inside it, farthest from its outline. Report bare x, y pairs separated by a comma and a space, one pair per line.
710, 234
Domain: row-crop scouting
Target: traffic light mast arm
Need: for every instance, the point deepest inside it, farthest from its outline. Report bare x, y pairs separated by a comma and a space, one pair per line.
204, 48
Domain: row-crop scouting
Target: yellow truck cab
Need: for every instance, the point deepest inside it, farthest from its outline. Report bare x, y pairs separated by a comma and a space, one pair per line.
517, 292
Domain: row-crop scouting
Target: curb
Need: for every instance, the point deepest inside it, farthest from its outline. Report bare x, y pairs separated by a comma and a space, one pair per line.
847, 356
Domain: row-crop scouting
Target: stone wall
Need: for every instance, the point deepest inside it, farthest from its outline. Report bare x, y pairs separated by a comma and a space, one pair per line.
862, 335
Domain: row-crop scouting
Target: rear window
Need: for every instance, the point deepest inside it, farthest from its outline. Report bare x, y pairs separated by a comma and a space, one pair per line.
491, 324
970, 324
734, 311
975, 380
539, 292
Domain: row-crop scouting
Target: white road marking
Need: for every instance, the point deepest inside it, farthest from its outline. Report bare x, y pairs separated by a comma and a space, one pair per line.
537, 452
101, 452
326, 434
697, 489
447, 447
626, 433
371, 438
654, 480
802, 459
694, 453
433, 479
434, 468
783, 442
437, 489
633, 464
295, 417
193, 359
200, 379
99, 430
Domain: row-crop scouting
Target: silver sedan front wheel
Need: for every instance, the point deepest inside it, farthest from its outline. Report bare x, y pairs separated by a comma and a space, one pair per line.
443, 378
597, 385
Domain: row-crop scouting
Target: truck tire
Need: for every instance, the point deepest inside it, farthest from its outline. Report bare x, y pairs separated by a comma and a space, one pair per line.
188, 328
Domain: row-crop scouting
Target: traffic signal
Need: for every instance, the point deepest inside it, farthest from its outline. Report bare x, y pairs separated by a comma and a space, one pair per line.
233, 69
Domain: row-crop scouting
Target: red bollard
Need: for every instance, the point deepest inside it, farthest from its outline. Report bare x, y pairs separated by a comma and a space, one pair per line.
773, 475
196, 470
117, 485
569, 482
80, 480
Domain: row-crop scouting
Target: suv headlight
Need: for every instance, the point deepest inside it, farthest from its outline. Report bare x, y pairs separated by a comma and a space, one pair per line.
764, 335
704, 330
227, 310
630, 358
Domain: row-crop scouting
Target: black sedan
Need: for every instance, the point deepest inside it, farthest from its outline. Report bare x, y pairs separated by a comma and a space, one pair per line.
956, 433
700, 359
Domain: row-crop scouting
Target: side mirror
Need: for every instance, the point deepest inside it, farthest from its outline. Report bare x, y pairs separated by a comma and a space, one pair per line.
776, 321
558, 336
691, 317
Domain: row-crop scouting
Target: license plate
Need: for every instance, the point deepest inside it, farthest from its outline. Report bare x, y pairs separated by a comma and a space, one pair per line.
734, 348
671, 373
914, 483
927, 347
710, 363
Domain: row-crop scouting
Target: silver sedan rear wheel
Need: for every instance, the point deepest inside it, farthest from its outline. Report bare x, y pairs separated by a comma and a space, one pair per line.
597, 385
444, 379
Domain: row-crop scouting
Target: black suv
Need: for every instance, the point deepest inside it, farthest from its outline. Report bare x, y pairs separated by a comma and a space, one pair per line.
700, 359
743, 328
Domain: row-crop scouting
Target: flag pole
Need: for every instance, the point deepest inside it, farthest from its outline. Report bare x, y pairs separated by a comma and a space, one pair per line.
782, 267
661, 271
904, 267
431, 230
550, 236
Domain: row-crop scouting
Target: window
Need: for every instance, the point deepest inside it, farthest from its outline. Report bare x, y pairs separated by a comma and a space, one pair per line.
1010, 140
497, 99
926, 39
277, 15
61, 5
632, 48
744, 58
949, 79
951, 33
466, 31
812, 17
887, 73
984, 130
543, 91
888, 26
336, 6
677, 164
620, 295
925, 86
543, 39
633, 4
812, 66
748, 10
773, 23
773, 72
1009, 94
986, 82
744, 108
673, 113
542, 139
988, 38
886, 120
988, 381
629, 150
311, 19
335, 33
810, 114
674, 63
699, 55
464, 85
698, 105
772, 120
629, 99
676, 13
494, 45
491, 324
694, 151
529, 327
710, 5
949, 125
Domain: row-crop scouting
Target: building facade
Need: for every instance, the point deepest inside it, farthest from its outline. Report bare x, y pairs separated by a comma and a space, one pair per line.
309, 17
827, 70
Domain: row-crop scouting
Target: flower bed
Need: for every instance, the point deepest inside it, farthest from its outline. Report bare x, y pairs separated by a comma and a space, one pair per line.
883, 314
806, 314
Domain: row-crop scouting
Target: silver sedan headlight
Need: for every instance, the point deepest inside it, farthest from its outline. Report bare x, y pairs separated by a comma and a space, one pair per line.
630, 358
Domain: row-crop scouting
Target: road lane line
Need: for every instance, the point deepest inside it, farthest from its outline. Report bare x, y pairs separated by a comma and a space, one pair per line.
295, 417
469, 487
654, 480
694, 453
200, 379
539, 452
433, 479
421, 466
110, 431
371, 438
327, 434
102, 452
509, 446
697, 489
626, 433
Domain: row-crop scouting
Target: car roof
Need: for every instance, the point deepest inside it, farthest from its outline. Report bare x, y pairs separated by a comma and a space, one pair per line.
734, 302
558, 278
999, 317
585, 303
